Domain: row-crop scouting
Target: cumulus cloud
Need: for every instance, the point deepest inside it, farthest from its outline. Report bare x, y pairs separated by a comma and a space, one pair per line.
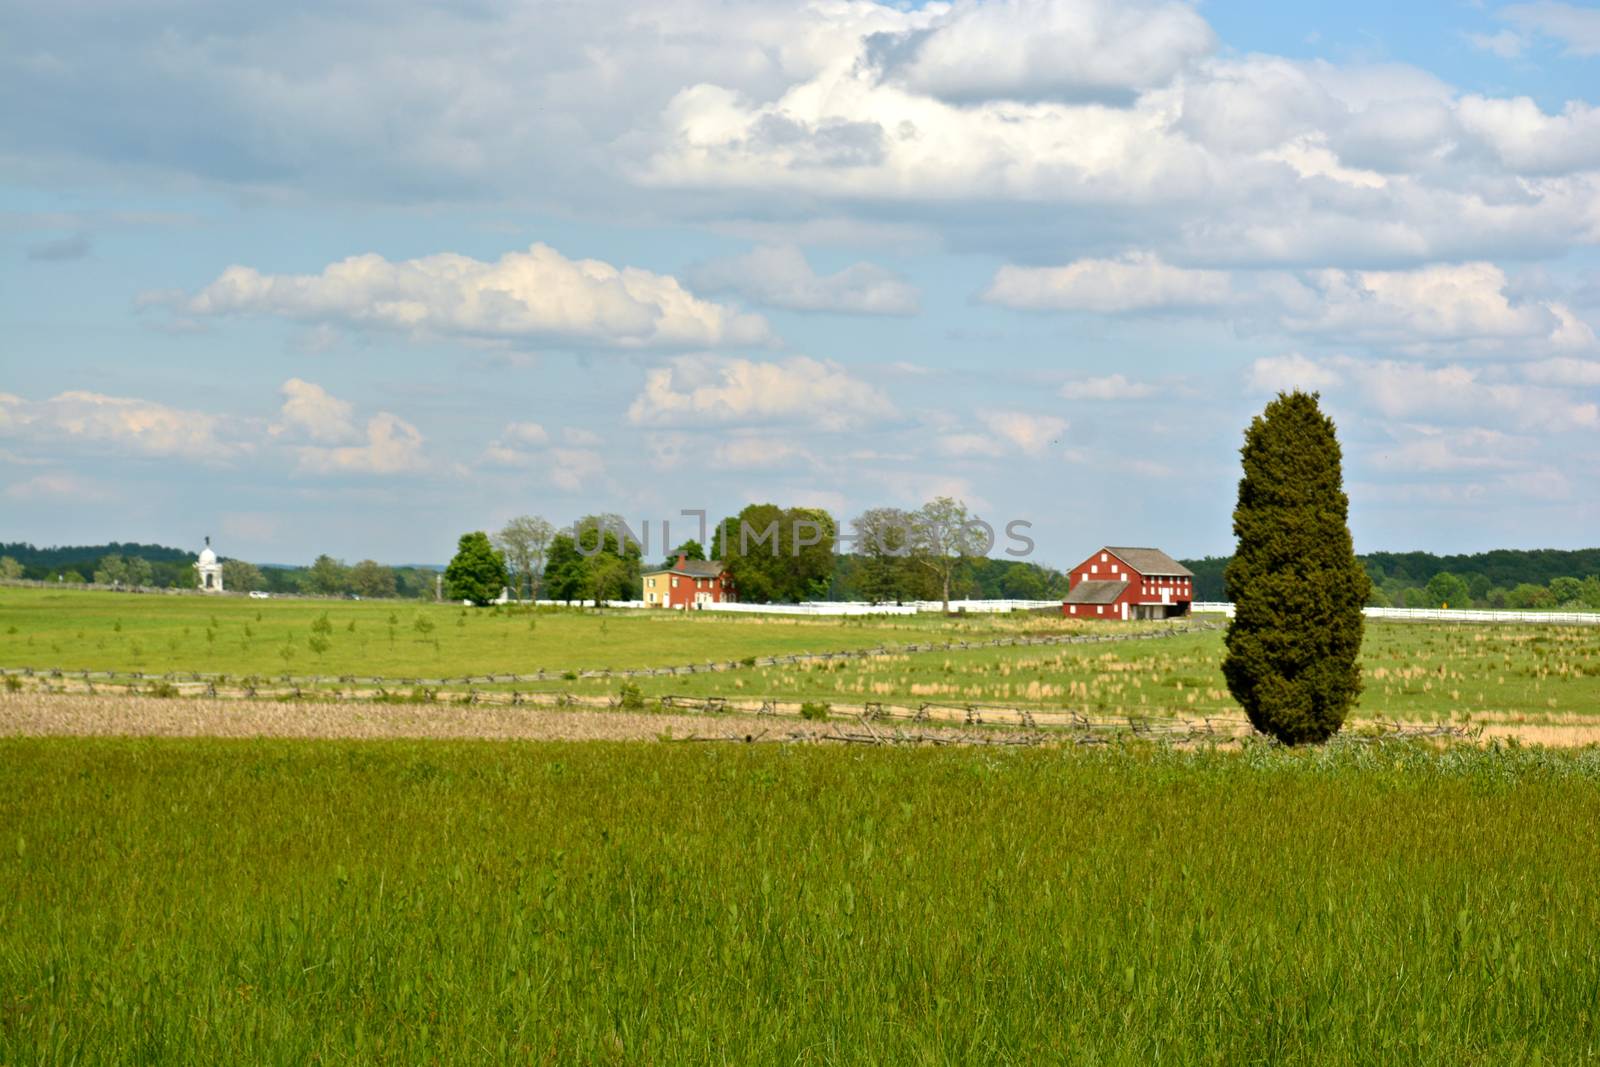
124, 424
1442, 302
695, 390
1137, 282
1409, 390
1278, 374
779, 276
1434, 449
1576, 27
1031, 434
1527, 140
1109, 387
391, 446
311, 410
537, 295
1030, 49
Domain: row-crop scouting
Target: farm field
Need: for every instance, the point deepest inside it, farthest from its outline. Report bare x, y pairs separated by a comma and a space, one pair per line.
1415, 672
232, 635
210, 901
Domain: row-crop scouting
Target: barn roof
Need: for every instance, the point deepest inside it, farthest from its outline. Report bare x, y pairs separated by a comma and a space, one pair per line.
1150, 561
1096, 592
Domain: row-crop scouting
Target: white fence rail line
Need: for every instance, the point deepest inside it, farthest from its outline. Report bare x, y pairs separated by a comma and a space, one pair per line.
1579, 618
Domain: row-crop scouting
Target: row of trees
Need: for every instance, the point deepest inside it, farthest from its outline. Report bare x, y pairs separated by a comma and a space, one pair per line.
777, 554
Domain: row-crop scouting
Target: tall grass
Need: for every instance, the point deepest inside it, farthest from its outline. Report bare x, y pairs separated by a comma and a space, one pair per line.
209, 902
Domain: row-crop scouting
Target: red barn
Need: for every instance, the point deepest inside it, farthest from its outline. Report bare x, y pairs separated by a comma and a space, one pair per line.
1129, 583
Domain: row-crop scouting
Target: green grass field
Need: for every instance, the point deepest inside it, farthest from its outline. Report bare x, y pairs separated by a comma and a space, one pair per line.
1414, 671
209, 902
231, 635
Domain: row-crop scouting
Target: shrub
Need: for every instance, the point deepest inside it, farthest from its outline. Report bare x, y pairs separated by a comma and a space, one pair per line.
815, 711
631, 696
13, 684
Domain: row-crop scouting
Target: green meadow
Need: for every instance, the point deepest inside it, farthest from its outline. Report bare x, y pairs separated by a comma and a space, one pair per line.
1415, 672
232, 635
1522, 672
203, 902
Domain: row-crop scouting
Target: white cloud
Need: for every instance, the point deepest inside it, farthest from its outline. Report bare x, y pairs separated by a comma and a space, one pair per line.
1577, 27
757, 452
696, 390
575, 469
965, 445
779, 276
1412, 390
1529, 141
311, 410
1032, 434
1027, 49
577, 435
537, 295
1564, 370
1277, 374
527, 433
392, 446
1109, 387
1137, 282
125, 424
1507, 44
1437, 303
1435, 450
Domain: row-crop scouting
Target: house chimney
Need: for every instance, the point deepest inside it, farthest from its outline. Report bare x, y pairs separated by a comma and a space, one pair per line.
683, 560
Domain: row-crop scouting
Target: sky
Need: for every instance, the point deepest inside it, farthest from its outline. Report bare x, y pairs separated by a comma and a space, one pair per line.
356, 277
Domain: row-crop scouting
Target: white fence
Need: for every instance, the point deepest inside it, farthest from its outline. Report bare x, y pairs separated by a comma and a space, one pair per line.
1580, 618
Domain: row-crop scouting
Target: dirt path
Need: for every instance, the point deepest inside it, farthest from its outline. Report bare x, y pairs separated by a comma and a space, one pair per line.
35, 714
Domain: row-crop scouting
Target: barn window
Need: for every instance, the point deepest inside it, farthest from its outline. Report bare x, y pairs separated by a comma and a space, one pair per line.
1124, 574
1113, 568
1073, 608
1102, 557
1094, 568
1099, 610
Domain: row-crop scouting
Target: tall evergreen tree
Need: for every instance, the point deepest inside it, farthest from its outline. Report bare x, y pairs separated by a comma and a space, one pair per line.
1295, 582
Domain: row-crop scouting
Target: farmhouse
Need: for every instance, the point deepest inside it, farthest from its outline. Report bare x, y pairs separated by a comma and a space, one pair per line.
690, 582
1129, 583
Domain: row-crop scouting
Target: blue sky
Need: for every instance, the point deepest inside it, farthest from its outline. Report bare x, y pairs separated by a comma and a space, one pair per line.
355, 277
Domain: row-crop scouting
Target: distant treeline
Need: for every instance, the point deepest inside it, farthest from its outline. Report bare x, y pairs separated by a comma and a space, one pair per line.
161, 567
1514, 578
1502, 578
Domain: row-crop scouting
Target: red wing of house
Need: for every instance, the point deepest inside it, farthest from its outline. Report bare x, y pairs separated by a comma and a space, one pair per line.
690, 583
1129, 583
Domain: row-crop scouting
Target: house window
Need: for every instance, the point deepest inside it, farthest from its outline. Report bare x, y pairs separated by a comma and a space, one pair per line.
674, 583
1072, 609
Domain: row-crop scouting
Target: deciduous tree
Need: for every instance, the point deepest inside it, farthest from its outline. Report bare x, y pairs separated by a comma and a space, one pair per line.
523, 542
478, 572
